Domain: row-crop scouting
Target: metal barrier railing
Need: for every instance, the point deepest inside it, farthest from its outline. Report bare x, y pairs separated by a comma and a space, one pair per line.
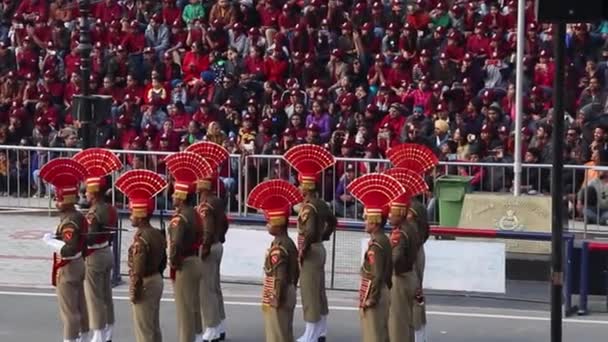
20, 184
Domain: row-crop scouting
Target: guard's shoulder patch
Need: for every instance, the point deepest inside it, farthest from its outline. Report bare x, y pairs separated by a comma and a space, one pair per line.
371, 257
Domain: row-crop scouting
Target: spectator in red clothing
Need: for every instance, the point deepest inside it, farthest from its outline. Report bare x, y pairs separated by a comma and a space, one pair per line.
134, 41
33, 10
478, 44
170, 12
108, 11
276, 66
394, 119
544, 70
27, 59
195, 62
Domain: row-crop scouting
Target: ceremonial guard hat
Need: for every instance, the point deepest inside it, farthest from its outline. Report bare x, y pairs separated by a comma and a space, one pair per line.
375, 191
309, 160
275, 198
64, 174
215, 155
187, 169
140, 187
98, 163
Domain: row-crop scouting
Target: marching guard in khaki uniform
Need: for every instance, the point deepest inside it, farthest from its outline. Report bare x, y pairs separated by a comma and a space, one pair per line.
69, 239
215, 225
185, 238
376, 191
316, 223
147, 254
276, 198
421, 160
406, 243
99, 163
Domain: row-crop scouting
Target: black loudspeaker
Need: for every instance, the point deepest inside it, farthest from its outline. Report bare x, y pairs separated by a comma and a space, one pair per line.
570, 11
102, 109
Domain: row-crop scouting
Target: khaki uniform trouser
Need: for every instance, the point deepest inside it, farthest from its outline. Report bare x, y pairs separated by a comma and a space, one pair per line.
187, 298
98, 288
402, 297
419, 311
374, 326
211, 300
278, 322
146, 319
312, 284
70, 295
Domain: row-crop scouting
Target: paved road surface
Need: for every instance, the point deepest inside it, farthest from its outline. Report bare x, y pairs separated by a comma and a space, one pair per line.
31, 315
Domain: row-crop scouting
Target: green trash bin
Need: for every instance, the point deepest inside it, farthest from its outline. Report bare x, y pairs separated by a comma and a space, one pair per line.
450, 191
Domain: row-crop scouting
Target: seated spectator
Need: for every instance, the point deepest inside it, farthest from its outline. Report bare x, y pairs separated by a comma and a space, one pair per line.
345, 205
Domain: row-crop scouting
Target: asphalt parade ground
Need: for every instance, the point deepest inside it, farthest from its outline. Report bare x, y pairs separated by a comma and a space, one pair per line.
28, 307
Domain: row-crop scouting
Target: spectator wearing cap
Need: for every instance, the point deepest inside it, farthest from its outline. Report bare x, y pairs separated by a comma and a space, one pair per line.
71, 89
386, 138
320, 118
33, 10
417, 17
253, 66
134, 41
238, 40
157, 35
193, 10
108, 11
119, 66
125, 133
478, 45
178, 117
276, 66
27, 58
444, 70
345, 205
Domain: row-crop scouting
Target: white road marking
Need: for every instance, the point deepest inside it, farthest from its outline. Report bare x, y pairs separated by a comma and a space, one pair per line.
350, 308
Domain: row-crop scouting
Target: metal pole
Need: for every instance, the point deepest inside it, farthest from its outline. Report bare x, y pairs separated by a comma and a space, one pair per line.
519, 89
84, 48
557, 185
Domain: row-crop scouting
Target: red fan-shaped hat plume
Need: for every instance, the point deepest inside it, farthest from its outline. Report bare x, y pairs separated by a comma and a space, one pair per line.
64, 174
309, 160
416, 157
275, 197
98, 163
141, 186
375, 191
412, 181
213, 153
187, 168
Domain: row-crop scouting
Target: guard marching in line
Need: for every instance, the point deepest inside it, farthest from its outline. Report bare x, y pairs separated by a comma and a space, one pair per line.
391, 300
68, 272
185, 239
99, 259
276, 198
421, 160
376, 191
406, 243
316, 223
215, 226
147, 253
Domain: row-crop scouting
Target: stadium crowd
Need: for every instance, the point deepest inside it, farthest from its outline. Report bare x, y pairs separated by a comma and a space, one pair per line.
260, 76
